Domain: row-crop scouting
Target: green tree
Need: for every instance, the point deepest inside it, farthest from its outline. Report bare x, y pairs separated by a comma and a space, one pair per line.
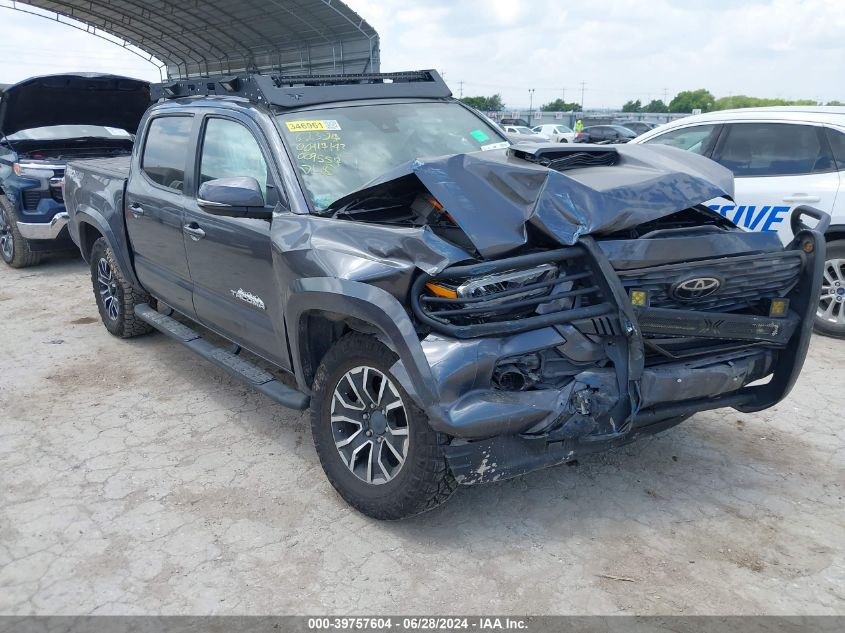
633, 106
485, 104
689, 100
559, 105
656, 105
835, 103
742, 101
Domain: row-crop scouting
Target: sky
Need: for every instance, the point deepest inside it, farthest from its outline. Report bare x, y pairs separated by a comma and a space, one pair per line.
620, 49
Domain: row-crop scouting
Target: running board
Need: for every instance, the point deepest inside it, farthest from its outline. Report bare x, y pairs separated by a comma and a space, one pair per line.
233, 364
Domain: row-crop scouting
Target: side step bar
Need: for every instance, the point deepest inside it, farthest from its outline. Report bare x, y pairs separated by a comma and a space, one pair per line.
234, 365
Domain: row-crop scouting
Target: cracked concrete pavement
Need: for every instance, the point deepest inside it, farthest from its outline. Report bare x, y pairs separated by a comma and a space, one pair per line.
138, 479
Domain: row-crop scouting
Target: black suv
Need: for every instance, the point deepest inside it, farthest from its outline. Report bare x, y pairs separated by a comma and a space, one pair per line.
453, 309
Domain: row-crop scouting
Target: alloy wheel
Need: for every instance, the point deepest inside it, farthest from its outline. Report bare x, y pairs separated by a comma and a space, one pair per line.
370, 425
108, 289
832, 300
7, 241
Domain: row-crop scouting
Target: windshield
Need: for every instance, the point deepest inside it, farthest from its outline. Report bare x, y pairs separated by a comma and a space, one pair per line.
339, 150
522, 129
58, 132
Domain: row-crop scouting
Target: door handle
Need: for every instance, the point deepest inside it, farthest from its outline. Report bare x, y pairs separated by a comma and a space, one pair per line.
194, 231
136, 209
802, 197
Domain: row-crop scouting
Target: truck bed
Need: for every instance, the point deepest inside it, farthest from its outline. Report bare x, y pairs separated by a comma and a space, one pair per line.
94, 191
117, 167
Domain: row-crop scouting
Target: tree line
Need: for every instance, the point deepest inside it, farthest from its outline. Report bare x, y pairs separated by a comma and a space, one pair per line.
685, 101
494, 103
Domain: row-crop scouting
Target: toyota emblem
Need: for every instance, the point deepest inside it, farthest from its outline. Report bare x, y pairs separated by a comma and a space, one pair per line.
696, 288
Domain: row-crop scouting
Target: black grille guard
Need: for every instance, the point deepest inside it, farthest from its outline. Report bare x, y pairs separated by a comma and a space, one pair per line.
616, 316
793, 335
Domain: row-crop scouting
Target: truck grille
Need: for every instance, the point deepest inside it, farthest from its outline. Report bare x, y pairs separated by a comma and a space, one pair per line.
745, 281
31, 198
56, 190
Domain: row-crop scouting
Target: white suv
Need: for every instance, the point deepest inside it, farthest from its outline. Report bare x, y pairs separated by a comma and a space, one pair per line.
556, 132
781, 157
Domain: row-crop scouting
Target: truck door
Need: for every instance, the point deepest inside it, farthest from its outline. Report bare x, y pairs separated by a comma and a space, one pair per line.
230, 259
154, 206
778, 166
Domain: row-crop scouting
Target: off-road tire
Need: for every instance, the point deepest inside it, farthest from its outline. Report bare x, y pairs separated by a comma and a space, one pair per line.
21, 255
424, 480
126, 324
835, 251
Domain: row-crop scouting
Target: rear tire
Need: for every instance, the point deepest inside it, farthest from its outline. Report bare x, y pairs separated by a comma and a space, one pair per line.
116, 298
830, 316
14, 248
374, 444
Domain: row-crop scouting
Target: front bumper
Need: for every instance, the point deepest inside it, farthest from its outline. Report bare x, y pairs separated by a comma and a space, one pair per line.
44, 230
499, 434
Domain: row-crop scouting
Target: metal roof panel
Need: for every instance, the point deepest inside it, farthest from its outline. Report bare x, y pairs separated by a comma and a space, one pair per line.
210, 37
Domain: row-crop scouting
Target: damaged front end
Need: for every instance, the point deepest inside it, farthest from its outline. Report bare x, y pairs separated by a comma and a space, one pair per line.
564, 301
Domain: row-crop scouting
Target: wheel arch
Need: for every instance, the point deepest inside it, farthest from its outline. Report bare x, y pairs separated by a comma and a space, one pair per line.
90, 226
321, 310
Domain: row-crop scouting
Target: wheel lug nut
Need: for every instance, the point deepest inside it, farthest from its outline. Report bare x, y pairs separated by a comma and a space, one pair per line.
369, 433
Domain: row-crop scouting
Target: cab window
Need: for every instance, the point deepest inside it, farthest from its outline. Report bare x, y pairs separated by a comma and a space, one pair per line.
695, 138
773, 149
229, 150
166, 151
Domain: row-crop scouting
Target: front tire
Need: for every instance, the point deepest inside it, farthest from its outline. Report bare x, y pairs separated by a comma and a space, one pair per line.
830, 316
14, 247
116, 297
374, 444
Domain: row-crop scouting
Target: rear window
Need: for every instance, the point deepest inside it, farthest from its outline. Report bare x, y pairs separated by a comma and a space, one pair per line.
166, 151
837, 146
774, 149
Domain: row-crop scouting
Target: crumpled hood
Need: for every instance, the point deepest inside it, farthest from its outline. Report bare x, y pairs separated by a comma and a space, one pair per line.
74, 99
494, 195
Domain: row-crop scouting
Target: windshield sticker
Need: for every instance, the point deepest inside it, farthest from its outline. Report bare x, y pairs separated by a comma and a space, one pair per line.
501, 145
312, 126
479, 136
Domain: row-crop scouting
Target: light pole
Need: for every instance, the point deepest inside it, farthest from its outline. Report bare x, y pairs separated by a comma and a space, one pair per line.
531, 104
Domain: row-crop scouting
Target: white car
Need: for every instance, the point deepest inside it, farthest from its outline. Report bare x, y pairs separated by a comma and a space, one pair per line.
522, 133
556, 132
781, 157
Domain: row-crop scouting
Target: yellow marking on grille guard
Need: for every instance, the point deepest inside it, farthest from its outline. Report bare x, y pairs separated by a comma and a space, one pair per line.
639, 298
778, 307
441, 291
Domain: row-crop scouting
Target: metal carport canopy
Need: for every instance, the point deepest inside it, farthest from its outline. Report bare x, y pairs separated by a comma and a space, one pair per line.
206, 37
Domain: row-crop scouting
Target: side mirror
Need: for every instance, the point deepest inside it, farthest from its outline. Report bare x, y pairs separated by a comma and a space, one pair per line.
233, 197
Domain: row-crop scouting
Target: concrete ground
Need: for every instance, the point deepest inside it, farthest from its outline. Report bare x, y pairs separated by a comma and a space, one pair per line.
136, 478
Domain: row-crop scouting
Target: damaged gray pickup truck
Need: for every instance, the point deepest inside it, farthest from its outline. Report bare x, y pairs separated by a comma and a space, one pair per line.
454, 309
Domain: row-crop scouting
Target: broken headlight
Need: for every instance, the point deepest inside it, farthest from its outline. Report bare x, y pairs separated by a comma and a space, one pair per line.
499, 287
517, 291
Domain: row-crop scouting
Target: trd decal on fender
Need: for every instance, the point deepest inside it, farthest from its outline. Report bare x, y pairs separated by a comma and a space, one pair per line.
248, 297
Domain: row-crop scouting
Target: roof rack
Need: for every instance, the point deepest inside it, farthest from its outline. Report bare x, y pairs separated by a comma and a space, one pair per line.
299, 90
